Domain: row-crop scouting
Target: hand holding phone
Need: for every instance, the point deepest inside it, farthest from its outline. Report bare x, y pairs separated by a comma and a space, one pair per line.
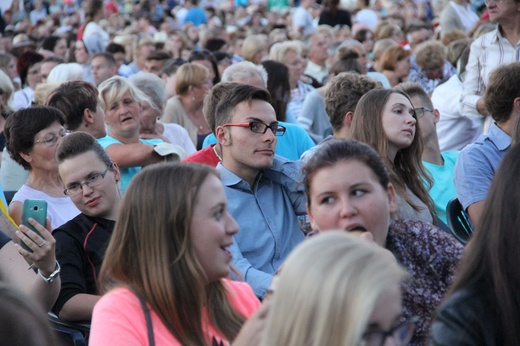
37, 210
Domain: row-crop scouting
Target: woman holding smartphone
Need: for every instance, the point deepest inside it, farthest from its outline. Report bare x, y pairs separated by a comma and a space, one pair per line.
90, 179
167, 265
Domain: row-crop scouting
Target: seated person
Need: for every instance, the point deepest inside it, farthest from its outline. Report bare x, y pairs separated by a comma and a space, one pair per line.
478, 162
482, 307
455, 130
291, 145
347, 285
121, 102
91, 181
33, 135
262, 189
439, 165
349, 188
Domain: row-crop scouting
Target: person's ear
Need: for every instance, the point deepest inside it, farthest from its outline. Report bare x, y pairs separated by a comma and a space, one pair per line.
222, 135
347, 120
392, 201
116, 171
312, 221
436, 115
26, 156
516, 105
87, 116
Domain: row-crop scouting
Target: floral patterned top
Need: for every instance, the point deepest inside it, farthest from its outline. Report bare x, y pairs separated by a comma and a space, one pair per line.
430, 256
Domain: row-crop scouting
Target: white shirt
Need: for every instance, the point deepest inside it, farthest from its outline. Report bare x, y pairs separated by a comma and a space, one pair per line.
316, 71
368, 17
178, 135
467, 16
486, 53
454, 130
22, 98
302, 18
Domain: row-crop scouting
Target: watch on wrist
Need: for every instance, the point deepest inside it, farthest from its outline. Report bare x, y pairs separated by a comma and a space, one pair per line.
53, 275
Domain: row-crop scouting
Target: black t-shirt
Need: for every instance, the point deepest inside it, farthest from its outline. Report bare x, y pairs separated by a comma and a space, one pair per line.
80, 249
4, 239
342, 17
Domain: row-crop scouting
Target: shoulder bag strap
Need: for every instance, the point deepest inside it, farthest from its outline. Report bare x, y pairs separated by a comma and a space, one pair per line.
147, 316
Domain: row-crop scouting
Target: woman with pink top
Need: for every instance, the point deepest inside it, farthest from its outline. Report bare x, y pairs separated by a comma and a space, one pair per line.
167, 264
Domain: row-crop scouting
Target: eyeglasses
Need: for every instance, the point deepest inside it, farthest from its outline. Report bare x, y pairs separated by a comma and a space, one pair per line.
260, 127
94, 180
401, 334
51, 141
420, 111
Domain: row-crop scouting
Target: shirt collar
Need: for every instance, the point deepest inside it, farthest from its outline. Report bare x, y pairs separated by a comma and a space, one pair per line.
230, 179
499, 137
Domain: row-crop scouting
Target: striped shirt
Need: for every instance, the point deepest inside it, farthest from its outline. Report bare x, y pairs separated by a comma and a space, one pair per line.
487, 53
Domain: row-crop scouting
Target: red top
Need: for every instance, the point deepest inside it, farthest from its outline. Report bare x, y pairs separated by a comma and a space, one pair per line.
205, 156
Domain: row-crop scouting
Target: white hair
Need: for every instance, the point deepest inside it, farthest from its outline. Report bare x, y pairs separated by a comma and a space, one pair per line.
242, 71
65, 73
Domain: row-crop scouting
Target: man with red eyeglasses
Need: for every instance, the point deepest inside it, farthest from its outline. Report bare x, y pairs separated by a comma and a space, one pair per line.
263, 190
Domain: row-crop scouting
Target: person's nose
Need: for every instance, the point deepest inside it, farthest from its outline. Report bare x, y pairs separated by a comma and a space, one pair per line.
86, 190
348, 208
269, 136
232, 225
122, 109
411, 120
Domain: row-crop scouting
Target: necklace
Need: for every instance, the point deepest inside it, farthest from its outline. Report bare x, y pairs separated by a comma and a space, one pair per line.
215, 151
199, 124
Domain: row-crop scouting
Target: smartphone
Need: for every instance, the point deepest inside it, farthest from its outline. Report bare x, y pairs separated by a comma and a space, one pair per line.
36, 209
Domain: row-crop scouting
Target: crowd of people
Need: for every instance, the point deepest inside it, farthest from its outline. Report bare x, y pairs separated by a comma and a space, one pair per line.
255, 172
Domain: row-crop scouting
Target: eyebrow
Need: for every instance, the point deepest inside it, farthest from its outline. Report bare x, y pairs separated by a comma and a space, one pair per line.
402, 105
85, 177
218, 206
260, 120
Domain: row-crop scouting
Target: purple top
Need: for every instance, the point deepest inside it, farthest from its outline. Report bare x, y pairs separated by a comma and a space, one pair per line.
430, 256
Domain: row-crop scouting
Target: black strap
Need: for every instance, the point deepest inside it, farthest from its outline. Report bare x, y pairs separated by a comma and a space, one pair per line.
147, 317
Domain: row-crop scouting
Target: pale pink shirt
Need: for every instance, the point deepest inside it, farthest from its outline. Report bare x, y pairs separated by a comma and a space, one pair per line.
118, 318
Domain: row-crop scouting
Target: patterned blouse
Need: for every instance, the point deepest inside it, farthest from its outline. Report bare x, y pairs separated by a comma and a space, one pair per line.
430, 256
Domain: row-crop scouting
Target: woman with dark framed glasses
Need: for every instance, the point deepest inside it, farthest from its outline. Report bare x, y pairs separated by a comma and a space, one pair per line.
347, 290
33, 135
348, 188
90, 179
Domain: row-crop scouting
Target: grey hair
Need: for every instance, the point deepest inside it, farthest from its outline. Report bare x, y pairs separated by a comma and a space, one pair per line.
152, 86
242, 71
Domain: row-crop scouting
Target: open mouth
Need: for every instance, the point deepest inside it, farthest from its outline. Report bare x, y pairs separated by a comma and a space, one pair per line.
356, 228
226, 247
